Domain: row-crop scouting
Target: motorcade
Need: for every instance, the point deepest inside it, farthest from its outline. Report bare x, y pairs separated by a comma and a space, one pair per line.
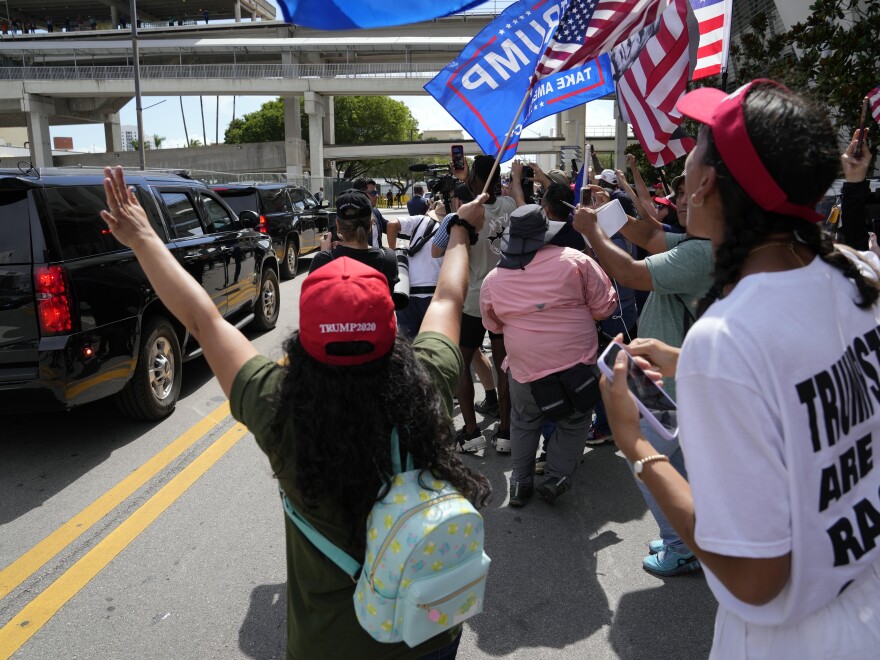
79, 320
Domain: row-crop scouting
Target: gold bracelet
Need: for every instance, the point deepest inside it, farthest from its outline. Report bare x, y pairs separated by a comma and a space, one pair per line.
639, 465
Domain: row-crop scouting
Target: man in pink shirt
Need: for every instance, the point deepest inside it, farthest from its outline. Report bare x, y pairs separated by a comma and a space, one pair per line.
546, 300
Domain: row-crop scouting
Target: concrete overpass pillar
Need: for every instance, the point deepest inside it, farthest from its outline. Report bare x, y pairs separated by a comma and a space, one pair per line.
574, 128
114, 16
620, 139
113, 134
314, 103
292, 136
38, 109
237, 10
330, 128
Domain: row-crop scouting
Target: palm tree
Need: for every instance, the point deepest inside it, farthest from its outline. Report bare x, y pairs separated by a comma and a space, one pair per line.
158, 140
195, 142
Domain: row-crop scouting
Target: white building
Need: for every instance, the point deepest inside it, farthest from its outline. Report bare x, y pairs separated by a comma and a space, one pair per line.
130, 135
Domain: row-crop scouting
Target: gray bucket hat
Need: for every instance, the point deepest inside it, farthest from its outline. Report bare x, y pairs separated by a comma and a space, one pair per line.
529, 230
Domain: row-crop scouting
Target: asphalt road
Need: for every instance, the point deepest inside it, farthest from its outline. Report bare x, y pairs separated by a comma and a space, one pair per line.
133, 540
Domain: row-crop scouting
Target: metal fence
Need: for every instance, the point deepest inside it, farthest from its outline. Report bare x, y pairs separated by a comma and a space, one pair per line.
210, 71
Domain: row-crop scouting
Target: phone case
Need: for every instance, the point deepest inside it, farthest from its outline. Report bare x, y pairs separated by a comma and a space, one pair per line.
646, 412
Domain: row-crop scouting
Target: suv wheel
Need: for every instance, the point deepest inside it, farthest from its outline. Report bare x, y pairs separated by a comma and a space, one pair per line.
152, 392
291, 260
266, 306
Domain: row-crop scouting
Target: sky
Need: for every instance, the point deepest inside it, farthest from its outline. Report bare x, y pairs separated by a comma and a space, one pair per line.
162, 116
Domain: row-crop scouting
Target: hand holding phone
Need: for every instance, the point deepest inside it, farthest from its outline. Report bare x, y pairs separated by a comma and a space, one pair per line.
655, 405
456, 151
861, 141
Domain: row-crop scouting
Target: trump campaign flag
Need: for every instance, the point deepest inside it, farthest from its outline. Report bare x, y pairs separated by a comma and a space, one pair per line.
652, 73
349, 14
714, 18
488, 81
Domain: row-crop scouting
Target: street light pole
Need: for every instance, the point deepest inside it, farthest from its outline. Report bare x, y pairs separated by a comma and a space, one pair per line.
137, 84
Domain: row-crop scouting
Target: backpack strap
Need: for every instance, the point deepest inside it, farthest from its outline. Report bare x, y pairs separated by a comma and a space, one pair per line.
343, 560
395, 454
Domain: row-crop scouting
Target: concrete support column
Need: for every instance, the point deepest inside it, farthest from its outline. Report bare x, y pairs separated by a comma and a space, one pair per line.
113, 134
114, 16
574, 128
620, 139
38, 110
293, 144
314, 105
237, 10
330, 130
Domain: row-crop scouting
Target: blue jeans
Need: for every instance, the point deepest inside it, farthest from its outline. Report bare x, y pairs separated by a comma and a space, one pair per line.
671, 449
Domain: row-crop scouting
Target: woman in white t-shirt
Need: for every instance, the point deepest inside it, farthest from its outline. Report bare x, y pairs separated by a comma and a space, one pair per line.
778, 390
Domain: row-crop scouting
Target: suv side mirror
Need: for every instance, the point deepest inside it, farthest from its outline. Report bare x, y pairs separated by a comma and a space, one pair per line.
249, 219
324, 203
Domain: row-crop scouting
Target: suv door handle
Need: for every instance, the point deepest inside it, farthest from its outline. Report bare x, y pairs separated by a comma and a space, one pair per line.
225, 248
190, 257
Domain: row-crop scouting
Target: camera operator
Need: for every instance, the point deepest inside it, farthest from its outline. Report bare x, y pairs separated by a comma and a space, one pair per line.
380, 224
424, 269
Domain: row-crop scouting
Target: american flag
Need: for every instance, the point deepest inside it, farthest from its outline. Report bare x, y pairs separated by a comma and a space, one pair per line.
589, 28
874, 103
651, 86
714, 19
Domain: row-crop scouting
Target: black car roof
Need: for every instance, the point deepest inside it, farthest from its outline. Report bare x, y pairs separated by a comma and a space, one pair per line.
82, 176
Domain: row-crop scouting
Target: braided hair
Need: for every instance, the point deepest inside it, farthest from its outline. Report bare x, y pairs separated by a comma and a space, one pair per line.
803, 160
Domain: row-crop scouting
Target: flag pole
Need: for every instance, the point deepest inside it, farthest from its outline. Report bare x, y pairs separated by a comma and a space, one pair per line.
507, 138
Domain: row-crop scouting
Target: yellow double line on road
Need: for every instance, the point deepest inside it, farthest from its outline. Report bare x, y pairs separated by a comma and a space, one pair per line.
34, 615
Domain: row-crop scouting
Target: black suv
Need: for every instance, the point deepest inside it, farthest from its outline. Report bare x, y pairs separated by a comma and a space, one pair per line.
79, 320
290, 215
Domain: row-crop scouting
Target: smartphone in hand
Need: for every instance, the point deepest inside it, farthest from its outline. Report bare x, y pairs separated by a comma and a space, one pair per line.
655, 405
858, 151
456, 152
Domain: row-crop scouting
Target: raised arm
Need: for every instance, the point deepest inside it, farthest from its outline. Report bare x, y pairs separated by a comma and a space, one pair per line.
515, 187
855, 193
647, 235
225, 348
644, 195
444, 312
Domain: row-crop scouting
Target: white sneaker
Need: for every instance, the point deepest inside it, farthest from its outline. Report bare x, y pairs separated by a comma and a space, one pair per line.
467, 445
502, 445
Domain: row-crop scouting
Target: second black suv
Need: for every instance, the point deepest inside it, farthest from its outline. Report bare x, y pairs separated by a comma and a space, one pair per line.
79, 320
289, 214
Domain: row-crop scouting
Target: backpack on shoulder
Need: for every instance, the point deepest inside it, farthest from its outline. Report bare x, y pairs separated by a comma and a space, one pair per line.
424, 570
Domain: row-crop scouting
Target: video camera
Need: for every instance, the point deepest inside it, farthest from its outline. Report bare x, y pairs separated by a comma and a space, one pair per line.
439, 180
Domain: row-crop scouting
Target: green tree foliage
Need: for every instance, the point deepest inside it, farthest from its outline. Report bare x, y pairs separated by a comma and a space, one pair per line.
358, 120
158, 140
832, 57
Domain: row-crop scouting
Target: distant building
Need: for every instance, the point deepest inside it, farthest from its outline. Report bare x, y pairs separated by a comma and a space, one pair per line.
130, 135
443, 135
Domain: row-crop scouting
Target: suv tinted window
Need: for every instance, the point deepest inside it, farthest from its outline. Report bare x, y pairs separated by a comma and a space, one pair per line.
75, 212
184, 217
15, 237
275, 200
245, 200
311, 202
218, 216
298, 201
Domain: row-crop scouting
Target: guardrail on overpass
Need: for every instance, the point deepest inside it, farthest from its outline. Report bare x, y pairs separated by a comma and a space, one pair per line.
238, 71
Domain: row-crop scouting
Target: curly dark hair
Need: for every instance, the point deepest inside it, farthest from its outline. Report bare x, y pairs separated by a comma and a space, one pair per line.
342, 419
803, 160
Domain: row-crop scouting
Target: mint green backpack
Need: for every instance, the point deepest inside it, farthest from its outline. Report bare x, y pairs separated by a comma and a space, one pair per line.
425, 569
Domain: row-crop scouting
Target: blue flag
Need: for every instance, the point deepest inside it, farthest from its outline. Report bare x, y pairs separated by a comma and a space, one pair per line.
485, 84
350, 14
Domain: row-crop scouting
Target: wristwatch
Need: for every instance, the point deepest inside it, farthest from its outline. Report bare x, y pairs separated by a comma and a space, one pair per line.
471, 230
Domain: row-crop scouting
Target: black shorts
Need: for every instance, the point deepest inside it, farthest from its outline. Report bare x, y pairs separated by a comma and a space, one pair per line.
472, 332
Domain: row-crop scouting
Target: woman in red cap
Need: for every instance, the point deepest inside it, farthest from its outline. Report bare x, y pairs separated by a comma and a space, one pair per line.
778, 390
325, 418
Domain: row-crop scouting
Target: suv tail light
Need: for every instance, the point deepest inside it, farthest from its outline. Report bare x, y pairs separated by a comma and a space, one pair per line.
264, 225
52, 289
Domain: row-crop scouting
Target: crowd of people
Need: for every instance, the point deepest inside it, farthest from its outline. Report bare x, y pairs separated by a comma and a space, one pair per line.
727, 291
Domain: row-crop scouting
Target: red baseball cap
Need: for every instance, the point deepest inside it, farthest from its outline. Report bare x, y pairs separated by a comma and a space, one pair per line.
724, 114
343, 302
665, 201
